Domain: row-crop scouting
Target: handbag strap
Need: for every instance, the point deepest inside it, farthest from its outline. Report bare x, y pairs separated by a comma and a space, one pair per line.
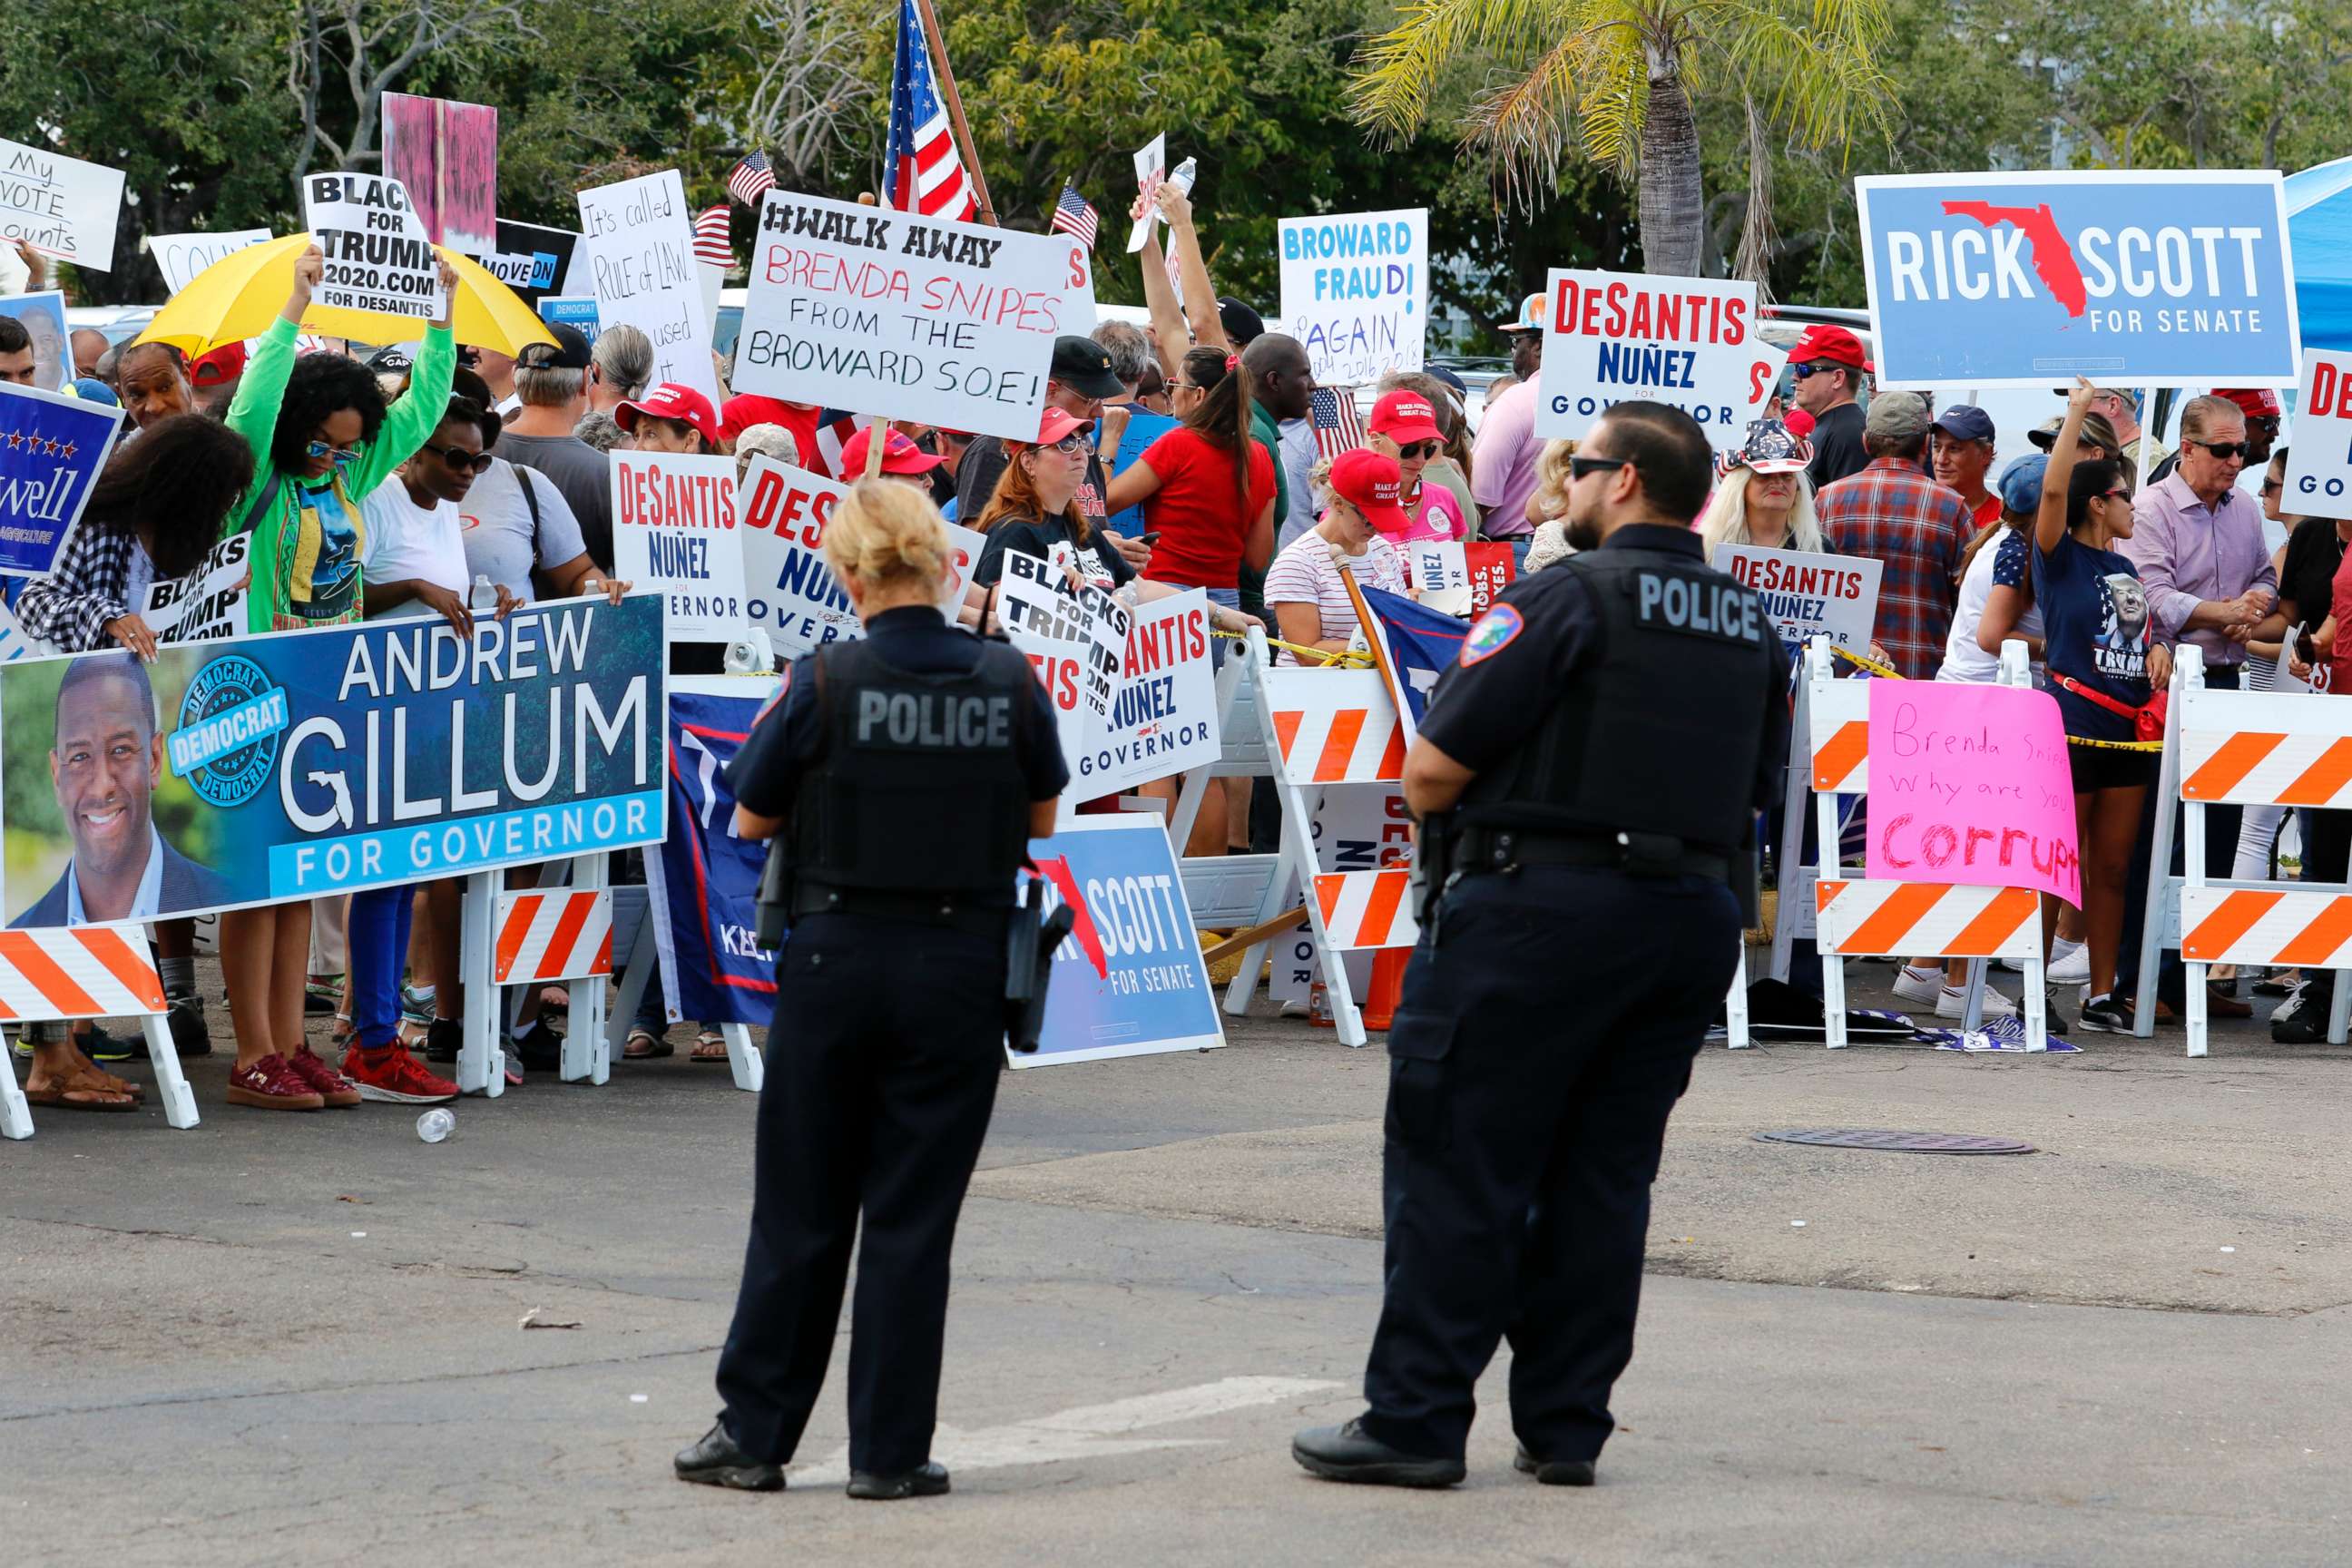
2121, 710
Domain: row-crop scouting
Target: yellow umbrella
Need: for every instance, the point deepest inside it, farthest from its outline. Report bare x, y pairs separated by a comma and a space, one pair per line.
238, 296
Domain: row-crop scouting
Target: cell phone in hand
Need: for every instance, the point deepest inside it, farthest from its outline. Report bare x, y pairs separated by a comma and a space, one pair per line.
1149, 539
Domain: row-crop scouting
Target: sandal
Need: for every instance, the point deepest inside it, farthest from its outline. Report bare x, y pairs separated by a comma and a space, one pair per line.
643, 1045
710, 1046
86, 1091
340, 1032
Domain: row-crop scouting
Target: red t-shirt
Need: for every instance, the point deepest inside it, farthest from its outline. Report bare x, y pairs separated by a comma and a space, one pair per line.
1200, 536
746, 409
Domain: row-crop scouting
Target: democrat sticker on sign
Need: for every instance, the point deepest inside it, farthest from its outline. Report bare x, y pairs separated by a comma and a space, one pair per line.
2135, 278
1129, 980
1355, 292
2319, 460
1689, 342
880, 312
1809, 597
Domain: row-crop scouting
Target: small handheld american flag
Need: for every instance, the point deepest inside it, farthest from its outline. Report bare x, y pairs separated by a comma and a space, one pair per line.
749, 179
1072, 214
713, 245
1338, 426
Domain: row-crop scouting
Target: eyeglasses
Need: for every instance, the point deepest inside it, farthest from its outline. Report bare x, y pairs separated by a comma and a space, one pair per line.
1421, 449
2225, 450
344, 456
1577, 468
463, 461
2273, 486
1075, 441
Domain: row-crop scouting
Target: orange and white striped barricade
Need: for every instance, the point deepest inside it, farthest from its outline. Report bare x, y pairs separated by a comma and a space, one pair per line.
2246, 748
555, 932
1227, 891
87, 972
1861, 917
1326, 729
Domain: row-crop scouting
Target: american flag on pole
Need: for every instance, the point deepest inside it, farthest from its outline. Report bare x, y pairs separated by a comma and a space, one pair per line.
713, 244
1338, 426
749, 179
834, 430
1073, 216
922, 170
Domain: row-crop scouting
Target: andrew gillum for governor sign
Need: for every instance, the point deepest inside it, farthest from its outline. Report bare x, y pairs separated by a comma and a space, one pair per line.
2135, 278
263, 769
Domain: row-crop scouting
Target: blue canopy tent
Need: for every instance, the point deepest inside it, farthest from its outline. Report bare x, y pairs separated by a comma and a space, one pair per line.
2319, 226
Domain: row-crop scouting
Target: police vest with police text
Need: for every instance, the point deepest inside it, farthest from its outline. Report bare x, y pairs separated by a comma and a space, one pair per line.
920, 786
1660, 734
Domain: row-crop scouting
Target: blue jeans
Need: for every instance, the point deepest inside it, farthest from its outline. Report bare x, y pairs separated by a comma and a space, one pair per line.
376, 936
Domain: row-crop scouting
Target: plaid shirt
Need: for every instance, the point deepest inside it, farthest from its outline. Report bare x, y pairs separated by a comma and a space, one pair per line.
71, 606
1916, 530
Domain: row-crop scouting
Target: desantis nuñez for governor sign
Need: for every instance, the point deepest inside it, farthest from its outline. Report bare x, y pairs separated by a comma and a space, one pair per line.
2135, 278
264, 769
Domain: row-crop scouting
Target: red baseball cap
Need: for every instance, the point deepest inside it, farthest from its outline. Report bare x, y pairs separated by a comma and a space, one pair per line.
1405, 417
672, 400
1834, 345
218, 368
1056, 424
2255, 401
1371, 484
900, 456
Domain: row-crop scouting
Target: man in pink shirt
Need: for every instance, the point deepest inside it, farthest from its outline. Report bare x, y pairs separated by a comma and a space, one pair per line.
1503, 464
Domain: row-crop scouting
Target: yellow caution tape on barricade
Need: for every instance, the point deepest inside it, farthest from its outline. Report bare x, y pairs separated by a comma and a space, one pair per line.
1871, 665
2116, 745
1350, 660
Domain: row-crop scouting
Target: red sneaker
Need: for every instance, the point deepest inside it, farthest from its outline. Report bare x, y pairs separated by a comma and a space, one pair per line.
391, 1075
270, 1085
325, 1082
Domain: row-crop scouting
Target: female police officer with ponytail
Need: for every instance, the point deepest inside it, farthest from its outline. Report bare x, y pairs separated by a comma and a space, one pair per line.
906, 773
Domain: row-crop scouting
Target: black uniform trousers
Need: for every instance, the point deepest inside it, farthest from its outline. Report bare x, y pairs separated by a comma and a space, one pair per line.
1547, 1025
882, 1068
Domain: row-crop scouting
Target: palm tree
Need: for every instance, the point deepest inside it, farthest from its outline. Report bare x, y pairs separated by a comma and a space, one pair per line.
1616, 76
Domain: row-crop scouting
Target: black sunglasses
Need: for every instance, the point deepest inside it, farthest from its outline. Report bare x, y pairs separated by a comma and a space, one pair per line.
1577, 468
475, 462
2225, 449
1422, 449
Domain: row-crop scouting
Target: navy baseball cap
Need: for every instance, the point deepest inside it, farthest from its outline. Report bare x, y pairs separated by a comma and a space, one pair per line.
2021, 484
1963, 422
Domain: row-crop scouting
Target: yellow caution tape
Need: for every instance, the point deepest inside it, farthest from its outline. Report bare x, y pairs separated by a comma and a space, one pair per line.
1350, 660
1871, 665
2116, 745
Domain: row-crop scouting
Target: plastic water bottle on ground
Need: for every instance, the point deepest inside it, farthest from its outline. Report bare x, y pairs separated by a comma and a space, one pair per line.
435, 1125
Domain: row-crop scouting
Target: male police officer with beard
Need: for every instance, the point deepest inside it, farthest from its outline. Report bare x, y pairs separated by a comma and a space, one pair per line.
910, 769
1586, 777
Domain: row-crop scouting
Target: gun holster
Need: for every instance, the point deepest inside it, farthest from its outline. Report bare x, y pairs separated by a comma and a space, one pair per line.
1031, 937
775, 897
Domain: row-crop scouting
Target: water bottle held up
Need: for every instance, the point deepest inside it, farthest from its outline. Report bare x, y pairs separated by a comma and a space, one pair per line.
1183, 174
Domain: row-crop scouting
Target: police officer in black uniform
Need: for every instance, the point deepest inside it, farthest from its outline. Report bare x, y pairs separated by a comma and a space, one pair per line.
1586, 777
909, 771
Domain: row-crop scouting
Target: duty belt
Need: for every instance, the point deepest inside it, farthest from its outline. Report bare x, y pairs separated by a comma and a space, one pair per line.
961, 912
1636, 854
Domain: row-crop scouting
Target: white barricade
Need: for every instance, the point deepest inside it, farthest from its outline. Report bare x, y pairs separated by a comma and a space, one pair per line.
1227, 891
1323, 728
486, 965
88, 972
2243, 748
1858, 918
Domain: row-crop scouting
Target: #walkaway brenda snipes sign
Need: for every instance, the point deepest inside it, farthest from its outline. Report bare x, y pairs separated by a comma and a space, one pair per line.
923, 318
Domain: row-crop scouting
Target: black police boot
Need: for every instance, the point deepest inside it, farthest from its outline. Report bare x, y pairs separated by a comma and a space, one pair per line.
1351, 1454
1553, 1472
928, 1480
716, 1461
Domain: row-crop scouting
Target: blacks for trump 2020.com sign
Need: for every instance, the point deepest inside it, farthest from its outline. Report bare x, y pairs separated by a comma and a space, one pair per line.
265, 769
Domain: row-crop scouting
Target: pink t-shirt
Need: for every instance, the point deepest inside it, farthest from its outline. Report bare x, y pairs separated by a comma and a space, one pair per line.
1503, 472
1434, 514
1305, 573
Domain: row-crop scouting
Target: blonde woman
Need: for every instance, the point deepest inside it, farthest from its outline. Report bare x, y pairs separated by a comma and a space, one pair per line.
1765, 498
911, 768
1548, 507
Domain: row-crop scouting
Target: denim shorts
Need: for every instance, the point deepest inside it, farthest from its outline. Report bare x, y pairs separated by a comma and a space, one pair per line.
1231, 598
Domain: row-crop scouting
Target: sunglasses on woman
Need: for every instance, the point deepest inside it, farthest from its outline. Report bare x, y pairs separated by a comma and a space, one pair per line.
463, 461
1421, 449
1075, 441
343, 456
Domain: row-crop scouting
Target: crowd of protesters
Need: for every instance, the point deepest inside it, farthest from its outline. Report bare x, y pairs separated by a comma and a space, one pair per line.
428, 479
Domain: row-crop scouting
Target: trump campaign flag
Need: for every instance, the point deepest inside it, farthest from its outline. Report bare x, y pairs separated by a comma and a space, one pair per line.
1415, 645
705, 882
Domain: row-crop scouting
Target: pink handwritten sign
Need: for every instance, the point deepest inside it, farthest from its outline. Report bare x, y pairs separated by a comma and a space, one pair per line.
1971, 783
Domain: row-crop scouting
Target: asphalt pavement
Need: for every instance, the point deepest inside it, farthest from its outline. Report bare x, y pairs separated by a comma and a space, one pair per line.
312, 1340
